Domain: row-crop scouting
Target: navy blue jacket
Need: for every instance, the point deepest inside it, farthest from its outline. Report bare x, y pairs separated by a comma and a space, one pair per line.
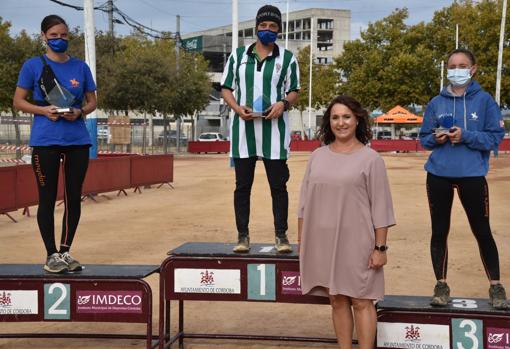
479, 117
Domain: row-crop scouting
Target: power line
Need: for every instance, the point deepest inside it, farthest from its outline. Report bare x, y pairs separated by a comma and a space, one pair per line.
151, 32
101, 7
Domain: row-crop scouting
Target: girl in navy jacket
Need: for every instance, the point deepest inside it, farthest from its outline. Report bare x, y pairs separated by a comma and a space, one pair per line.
461, 126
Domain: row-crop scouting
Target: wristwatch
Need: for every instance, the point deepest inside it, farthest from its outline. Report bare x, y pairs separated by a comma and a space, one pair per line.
381, 248
286, 104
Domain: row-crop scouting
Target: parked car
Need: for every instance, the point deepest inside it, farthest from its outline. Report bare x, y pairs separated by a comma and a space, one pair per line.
103, 132
211, 137
384, 135
296, 136
171, 136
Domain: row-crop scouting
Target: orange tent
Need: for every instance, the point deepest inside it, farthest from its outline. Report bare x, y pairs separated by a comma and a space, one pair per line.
398, 115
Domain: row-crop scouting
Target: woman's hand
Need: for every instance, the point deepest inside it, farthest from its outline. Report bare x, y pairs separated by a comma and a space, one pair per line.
455, 135
441, 138
50, 112
377, 259
73, 115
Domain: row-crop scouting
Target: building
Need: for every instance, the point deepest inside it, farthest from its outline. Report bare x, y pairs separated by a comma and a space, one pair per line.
330, 29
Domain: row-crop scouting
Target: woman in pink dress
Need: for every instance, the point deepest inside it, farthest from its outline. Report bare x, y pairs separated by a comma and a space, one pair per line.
344, 213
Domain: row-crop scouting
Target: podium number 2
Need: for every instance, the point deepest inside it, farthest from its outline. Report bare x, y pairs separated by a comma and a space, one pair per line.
467, 333
56, 301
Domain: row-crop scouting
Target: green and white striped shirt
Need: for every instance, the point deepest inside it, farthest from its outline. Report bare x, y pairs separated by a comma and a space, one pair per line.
258, 85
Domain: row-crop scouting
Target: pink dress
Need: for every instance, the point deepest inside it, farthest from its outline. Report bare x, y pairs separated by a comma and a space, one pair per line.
344, 197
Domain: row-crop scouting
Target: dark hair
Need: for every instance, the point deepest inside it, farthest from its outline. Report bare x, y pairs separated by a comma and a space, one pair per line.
465, 51
51, 21
363, 131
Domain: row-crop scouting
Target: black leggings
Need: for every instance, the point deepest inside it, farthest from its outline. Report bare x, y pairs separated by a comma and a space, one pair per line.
277, 173
474, 196
46, 165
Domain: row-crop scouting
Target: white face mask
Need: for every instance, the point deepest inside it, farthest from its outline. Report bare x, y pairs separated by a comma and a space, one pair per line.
459, 77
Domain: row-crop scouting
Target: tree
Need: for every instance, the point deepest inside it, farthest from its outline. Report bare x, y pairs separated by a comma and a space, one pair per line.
391, 64
13, 53
479, 25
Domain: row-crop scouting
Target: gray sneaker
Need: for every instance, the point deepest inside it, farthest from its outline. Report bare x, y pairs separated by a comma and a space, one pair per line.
441, 295
74, 265
497, 297
282, 244
243, 245
56, 264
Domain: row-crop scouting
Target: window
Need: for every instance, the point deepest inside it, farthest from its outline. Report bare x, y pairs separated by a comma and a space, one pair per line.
248, 33
306, 23
326, 24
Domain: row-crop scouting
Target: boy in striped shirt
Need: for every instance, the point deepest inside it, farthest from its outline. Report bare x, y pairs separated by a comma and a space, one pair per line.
265, 80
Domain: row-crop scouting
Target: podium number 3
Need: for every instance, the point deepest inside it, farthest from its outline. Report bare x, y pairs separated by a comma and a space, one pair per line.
470, 333
464, 303
467, 333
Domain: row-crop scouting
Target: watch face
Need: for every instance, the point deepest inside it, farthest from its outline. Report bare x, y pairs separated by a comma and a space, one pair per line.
381, 248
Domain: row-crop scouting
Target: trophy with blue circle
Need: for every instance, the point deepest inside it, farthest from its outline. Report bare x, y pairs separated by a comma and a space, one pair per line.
445, 122
258, 103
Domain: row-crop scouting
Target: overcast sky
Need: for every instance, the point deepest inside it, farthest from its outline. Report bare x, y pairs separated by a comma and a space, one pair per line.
204, 14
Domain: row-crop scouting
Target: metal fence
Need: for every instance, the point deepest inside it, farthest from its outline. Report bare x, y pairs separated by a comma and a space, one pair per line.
142, 138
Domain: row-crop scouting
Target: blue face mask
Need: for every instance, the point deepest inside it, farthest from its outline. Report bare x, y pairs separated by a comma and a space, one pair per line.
459, 77
58, 45
267, 37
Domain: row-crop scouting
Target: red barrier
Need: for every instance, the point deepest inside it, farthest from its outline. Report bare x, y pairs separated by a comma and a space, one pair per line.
209, 147
304, 145
151, 169
505, 145
26, 187
107, 174
394, 145
7, 189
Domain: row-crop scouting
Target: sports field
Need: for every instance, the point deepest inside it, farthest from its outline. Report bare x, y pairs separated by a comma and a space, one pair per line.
141, 228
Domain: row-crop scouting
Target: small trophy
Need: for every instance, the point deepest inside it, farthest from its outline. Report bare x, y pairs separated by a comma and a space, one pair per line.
258, 105
59, 96
445, 122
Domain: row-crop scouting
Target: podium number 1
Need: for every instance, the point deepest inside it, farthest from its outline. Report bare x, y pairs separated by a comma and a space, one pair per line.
467, 333
262, 269
261, 282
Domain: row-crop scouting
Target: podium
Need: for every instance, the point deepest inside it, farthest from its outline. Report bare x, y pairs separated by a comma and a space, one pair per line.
99, 293
410, 322
212, 272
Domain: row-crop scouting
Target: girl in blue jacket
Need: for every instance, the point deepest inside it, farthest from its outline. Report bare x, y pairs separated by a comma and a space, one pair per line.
461, 126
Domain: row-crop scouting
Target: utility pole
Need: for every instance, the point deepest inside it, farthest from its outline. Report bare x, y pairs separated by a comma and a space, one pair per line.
500, 53
177, 52
235, 25
110, 17
456, 36
90, 59
441, 83
310, 83
287, 26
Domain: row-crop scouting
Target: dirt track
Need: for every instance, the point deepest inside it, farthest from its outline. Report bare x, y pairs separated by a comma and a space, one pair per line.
140, 229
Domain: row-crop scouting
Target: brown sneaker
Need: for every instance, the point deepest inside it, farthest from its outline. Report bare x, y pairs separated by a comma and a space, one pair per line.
243, 245
441, 295
497, 297
282, 244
